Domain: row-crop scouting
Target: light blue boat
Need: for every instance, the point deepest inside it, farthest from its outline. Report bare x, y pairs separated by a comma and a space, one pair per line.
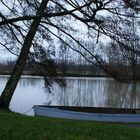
94, 114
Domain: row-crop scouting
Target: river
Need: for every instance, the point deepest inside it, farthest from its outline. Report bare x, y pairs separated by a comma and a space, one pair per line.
95, 92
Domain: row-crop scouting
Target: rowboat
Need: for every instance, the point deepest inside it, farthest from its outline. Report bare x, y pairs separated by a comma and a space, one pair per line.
100, 114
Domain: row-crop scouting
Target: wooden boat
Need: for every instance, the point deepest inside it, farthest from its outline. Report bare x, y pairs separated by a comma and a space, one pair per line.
89, 113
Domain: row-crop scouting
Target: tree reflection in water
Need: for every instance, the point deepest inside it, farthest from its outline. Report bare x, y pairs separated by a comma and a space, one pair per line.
96, 92
101, 92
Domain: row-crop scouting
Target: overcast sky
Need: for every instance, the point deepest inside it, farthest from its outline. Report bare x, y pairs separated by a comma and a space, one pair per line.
5, 55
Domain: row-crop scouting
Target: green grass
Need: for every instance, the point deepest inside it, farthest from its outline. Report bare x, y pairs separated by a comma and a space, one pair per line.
14, 126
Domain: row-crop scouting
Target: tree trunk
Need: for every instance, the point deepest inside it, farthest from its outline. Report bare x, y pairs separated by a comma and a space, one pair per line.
21, 62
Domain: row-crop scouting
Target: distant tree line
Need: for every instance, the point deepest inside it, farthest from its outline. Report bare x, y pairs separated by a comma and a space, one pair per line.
69, 69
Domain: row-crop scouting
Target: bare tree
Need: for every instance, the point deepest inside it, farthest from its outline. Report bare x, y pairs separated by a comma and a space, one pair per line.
121, 60
15, 76
29, 28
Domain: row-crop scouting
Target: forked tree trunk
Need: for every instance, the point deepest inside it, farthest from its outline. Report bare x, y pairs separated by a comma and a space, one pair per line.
10, 87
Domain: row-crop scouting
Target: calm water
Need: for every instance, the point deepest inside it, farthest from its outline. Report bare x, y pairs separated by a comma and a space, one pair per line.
99, 92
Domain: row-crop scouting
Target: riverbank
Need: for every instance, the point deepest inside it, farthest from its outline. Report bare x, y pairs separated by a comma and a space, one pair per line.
14, 126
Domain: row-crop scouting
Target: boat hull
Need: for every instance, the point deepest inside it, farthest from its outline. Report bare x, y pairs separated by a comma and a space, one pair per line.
75, 115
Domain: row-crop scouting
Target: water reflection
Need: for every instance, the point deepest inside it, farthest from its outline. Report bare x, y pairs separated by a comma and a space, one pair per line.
99, 92
124, 95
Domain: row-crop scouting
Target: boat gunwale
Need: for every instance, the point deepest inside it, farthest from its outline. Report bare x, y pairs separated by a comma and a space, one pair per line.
98, 110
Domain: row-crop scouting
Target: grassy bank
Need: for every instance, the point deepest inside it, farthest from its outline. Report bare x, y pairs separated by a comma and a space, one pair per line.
18, 127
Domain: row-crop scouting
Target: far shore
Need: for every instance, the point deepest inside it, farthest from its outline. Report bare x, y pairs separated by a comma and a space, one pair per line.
28, 73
